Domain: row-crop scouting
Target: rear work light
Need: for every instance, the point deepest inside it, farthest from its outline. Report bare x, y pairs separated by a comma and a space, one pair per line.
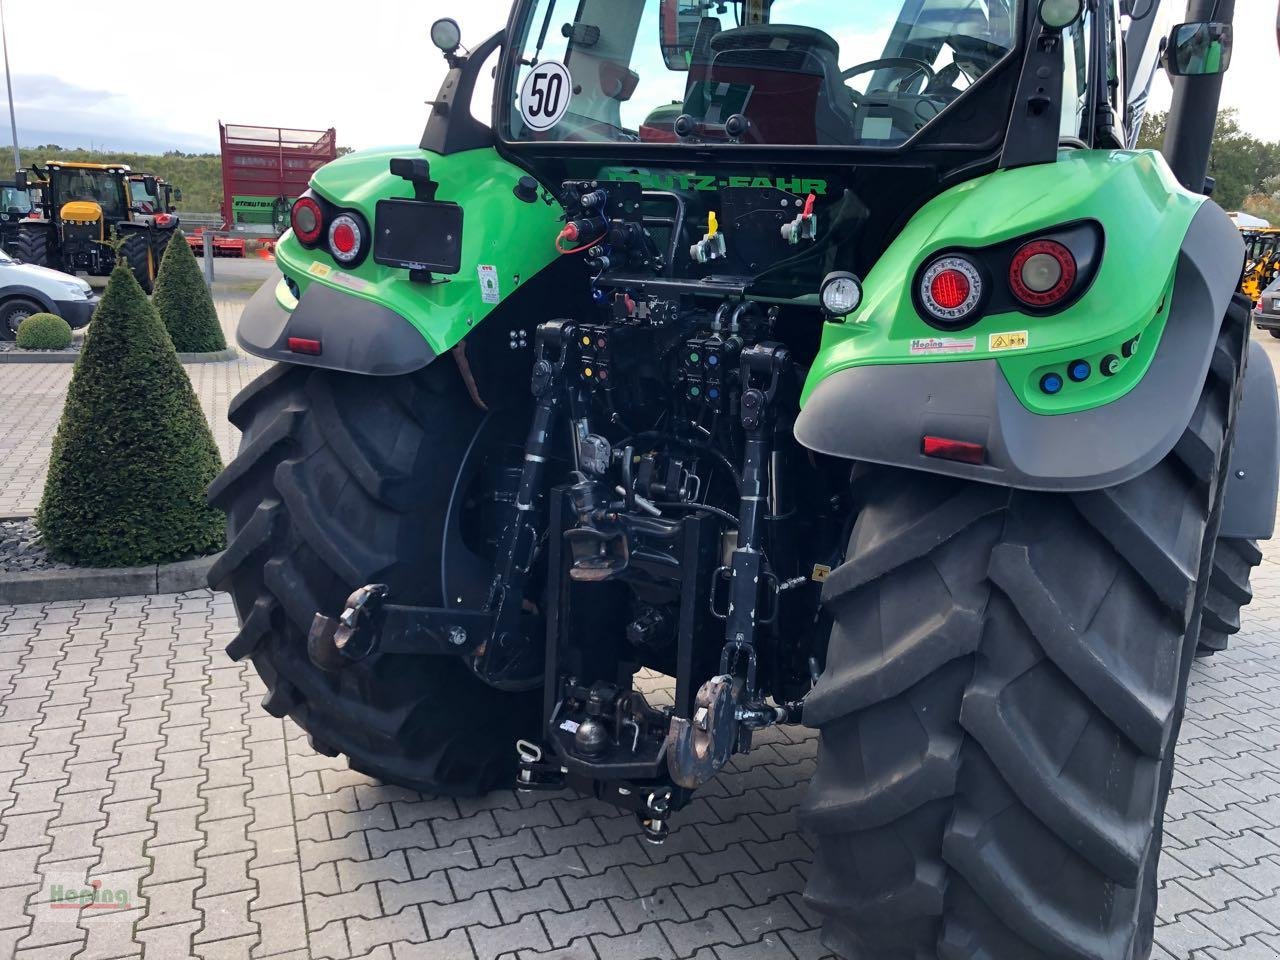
346, 237
307, 220
1042, 273
951, 290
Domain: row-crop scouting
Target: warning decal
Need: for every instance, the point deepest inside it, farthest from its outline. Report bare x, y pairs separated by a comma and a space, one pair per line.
1013, 340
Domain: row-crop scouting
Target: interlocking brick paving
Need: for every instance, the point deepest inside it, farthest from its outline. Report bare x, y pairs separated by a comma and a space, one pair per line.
134, 755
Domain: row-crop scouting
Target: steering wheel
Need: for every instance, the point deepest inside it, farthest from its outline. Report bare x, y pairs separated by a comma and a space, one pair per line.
888, 63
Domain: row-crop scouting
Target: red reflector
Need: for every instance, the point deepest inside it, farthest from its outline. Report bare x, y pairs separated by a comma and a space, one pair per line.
958, 450
950, 289
303, 345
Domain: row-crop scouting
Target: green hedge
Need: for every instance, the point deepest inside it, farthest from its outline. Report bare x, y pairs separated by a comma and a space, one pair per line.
133, 454
184, 302
44, 331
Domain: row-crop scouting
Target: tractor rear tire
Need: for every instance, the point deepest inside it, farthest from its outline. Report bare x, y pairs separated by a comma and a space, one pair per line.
159, 244
1229, 592
31, 245
136, 251
343, 480
1001, 700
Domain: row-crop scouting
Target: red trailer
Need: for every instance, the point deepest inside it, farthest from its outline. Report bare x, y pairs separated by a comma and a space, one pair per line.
264, 169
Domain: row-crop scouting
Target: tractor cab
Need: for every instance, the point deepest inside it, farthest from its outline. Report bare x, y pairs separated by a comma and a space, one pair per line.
762, 113
87, 199
15, 202
151, 200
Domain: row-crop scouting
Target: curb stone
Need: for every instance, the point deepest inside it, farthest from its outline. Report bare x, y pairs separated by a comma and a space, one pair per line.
90, 583
35, 356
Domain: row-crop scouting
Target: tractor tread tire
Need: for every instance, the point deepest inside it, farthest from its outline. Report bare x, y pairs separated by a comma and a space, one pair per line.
1229, 591
338, 483
31, 245
136, 251
1002, 695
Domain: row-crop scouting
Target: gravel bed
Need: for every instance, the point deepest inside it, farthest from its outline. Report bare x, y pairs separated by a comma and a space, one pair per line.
21, 550
9, 346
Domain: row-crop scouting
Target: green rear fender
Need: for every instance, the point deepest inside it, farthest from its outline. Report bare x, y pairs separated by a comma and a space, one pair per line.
505, 242
1144, 214
885, 379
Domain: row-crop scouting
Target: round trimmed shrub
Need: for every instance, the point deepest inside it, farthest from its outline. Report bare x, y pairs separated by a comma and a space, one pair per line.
184, 302
44, 331
133, 453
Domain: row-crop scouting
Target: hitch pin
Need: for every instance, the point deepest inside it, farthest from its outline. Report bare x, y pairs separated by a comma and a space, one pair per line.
529, 753
646, 505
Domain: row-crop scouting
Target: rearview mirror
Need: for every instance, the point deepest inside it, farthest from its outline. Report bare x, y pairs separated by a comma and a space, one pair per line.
678, 25
20, 180
1199, 49
149, 184
177, 194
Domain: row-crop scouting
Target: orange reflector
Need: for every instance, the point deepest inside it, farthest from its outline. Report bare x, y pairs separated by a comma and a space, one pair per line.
303, 345
957, 450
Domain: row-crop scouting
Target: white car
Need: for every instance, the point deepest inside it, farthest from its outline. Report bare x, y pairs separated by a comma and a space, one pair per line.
26, 289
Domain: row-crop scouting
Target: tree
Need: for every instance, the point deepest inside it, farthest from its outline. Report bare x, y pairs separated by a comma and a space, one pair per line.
133, 453
184, 302
1238, 161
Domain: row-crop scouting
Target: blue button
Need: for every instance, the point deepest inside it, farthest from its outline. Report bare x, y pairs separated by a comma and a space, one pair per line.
712, 360
1079, 370
1051, 383
713, 393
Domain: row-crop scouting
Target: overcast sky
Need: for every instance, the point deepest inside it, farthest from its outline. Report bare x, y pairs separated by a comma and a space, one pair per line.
159, 74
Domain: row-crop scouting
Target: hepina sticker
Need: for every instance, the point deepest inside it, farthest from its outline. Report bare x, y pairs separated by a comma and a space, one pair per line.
928, 346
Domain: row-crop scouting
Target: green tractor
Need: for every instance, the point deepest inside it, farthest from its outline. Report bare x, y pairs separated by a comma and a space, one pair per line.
89, 219
838, 361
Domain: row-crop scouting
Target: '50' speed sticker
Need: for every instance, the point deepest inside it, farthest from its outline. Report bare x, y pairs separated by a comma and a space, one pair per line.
544, 97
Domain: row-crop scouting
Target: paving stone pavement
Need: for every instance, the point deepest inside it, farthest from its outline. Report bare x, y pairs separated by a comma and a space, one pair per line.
134, 756
135, 760
32, 394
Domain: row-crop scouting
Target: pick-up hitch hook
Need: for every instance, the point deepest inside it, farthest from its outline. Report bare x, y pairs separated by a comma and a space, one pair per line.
334, 644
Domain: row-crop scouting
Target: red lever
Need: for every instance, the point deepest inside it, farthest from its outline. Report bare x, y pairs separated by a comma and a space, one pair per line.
809, 204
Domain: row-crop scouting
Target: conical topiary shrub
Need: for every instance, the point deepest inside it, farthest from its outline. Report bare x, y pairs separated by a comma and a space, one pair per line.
184, 302
133, 453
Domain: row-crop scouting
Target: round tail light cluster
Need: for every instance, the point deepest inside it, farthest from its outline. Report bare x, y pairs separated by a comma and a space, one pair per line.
951, 290
307, 220
1042, 273
346, 238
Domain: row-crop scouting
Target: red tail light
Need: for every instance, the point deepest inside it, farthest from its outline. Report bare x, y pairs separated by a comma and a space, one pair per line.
1042, 273
307, 220
346, 238
951, 290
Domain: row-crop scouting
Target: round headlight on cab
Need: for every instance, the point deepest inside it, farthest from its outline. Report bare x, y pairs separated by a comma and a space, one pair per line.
1060, 14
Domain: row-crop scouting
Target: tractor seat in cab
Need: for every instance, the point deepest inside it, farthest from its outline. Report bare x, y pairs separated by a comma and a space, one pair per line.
784, 79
